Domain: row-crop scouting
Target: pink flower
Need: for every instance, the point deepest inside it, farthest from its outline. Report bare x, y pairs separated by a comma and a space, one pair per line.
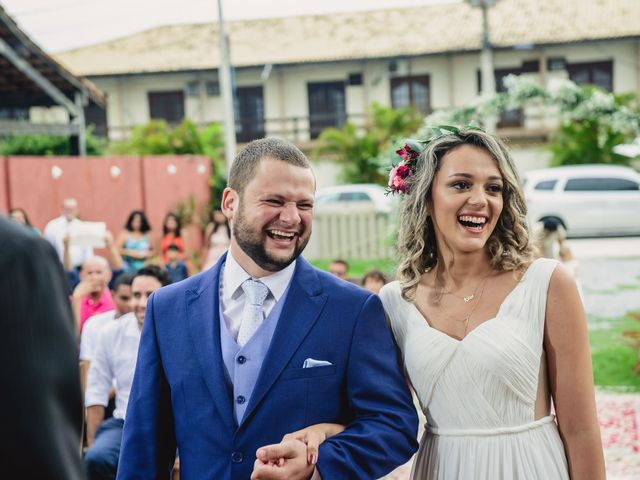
403, 171
407, 153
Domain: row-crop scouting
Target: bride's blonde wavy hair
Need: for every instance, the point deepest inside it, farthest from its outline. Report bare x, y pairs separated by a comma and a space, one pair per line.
508, 247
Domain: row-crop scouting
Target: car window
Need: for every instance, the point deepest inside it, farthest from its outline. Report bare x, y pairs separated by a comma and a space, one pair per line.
327, 198
600, 184
545, 185
354, 197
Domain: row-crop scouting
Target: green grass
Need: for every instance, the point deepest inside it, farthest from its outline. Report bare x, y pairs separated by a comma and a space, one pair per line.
614, 356
357, 268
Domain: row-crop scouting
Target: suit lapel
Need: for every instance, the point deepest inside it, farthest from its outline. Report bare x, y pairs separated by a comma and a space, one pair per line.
303, 305
203, 317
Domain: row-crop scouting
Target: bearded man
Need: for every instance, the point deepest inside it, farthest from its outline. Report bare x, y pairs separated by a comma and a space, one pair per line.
263, 344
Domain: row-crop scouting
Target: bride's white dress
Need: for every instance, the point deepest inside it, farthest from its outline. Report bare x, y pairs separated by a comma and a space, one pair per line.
479, 394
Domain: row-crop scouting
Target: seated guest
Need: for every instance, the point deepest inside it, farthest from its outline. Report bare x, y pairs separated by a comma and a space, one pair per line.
176, 268
121, 296
374, 280
19, 215
114, 362
339, 268
91, 295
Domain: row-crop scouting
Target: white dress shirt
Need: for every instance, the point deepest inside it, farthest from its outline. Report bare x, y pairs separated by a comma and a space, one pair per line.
114, 363
91, 331
232, 296
54, 233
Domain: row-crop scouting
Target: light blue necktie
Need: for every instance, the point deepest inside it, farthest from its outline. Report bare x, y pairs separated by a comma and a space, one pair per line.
252, 314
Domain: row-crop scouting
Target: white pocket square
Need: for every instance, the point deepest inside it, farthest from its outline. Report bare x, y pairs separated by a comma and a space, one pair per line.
312, 363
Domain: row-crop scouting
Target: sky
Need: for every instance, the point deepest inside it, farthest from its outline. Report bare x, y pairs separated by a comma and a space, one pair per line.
58, 25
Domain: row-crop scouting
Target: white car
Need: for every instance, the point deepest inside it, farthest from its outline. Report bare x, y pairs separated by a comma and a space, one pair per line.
357, 194
589, 200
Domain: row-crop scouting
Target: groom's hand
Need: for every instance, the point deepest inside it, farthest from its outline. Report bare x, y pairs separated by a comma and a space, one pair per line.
283, 461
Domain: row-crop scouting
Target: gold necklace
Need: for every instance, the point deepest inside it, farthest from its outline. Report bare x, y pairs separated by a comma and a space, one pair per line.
466, 298
467, 317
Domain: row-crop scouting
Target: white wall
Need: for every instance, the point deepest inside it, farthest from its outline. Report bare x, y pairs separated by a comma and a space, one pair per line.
453, 83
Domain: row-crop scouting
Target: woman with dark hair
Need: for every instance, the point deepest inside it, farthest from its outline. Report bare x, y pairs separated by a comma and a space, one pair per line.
489, 336
19, 215
172, 234
134, 242
217, 237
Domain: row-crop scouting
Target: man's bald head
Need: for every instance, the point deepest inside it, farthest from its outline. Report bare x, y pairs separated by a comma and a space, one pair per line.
97, 272
70, 208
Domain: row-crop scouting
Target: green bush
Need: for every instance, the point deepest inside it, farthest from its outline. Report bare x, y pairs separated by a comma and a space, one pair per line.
358, 149
47, 144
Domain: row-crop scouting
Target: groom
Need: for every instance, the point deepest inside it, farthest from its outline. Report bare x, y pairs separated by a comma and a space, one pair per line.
264, 344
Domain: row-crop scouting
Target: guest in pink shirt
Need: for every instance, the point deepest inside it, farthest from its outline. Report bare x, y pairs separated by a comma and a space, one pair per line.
92, 294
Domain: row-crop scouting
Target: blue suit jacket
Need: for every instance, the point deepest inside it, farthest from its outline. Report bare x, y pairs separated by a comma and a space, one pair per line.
180, 399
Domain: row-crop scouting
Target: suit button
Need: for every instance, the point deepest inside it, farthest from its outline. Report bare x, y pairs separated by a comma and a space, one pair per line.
237, 457
242, 359
240, 399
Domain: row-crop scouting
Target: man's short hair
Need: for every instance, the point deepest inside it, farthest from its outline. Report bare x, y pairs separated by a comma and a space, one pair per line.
246, 162
173, 246
156, 272
122, 279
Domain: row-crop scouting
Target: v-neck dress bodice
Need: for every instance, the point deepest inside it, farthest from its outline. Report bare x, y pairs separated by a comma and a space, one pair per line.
478, 394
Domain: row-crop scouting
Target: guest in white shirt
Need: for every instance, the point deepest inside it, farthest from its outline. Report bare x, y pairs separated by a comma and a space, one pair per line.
57, 229
114, 362
121, 295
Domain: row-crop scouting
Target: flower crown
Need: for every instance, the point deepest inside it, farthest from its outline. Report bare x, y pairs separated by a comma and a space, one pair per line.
400, 173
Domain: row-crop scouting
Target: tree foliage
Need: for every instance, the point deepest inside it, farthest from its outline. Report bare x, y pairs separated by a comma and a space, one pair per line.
589, 120
358, 148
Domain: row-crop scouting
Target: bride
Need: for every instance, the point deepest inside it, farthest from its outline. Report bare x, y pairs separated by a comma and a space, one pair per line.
489, 337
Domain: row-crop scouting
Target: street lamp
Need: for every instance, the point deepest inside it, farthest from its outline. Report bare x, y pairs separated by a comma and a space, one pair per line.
226, 88
486, 59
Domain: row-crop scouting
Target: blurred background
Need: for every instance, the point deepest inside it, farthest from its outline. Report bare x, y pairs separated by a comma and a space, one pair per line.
141, 105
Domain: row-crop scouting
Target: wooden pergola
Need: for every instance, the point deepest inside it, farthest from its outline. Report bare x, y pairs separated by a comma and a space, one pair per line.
31, 78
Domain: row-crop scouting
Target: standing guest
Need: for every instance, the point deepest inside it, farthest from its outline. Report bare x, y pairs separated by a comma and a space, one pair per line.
374, 280
91, 295
234, 358
57, 230
176, 268
339, 268
551, 235
20, 216
172, 234
134, 242
489, 336
114, 363
217, 237
121, 296
41, 414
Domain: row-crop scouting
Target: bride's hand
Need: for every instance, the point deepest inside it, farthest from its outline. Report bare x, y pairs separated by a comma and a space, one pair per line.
313, 436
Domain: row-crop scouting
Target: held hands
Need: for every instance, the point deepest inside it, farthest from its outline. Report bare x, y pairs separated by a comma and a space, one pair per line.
296, 456
313, 436
286, 460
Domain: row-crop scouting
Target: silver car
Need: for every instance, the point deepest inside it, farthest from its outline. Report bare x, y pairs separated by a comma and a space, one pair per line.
588, 200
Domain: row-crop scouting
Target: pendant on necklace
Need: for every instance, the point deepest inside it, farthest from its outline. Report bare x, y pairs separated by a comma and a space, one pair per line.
469, 298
